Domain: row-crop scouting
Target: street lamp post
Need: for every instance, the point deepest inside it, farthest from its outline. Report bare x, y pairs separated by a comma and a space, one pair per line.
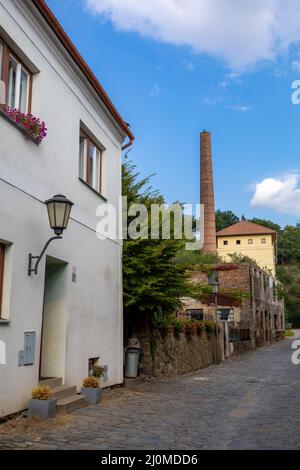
59, 210
214, 283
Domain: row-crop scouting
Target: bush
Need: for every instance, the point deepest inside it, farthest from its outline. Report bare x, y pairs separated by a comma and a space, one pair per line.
190, 328
163, 324
289, 333
209, 327
42, 392
200, 327
179, 326
91, 382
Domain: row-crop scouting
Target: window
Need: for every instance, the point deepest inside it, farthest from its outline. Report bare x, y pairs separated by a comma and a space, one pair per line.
225, 242
238, 242
263, 241
2, 256
90, 163
250, 241
226, 314
93, 361
17, 80
1, 57
195, 314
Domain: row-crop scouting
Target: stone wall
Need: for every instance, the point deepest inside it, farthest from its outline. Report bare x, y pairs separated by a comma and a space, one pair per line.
169, 354
176, 355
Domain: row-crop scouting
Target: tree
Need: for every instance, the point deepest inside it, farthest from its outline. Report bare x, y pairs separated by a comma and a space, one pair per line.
289, 245
224, 219
153, 282
267, 223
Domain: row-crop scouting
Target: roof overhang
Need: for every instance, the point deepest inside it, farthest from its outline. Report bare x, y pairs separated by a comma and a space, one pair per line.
85, 69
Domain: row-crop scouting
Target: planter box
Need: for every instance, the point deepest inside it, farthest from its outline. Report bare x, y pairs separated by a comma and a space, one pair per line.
42, 408
92, 395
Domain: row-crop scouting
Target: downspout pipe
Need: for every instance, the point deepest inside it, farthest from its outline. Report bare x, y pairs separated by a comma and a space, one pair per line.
131, 140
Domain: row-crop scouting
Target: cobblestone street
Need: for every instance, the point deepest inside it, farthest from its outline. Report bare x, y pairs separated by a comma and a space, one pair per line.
252, 402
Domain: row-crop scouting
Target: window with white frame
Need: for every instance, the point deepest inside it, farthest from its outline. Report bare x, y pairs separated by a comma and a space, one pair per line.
16, 80
18, 85
2, 256
1, 57
90, 163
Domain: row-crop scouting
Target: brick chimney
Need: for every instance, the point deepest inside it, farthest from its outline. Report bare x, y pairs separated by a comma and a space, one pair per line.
207, 193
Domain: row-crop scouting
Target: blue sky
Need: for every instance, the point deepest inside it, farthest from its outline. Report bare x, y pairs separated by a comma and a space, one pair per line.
169, 92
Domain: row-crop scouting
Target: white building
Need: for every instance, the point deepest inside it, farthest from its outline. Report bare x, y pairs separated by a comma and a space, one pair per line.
60, 321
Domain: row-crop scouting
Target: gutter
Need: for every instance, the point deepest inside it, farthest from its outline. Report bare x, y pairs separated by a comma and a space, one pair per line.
78, 59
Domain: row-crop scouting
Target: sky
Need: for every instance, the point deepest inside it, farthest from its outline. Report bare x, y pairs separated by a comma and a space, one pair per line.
176, 67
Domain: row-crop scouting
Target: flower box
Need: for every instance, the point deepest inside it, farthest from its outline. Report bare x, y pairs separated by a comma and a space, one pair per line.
31, 126
92, 395
42, 408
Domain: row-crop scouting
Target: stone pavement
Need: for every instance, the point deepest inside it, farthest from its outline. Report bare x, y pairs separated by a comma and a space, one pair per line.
250, 402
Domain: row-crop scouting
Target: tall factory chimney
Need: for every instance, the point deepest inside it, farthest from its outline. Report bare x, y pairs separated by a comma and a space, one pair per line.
207, 193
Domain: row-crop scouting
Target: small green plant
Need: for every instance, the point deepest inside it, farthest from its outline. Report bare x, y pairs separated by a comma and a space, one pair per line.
91, 382
98, 371
163, 324
289, 333
190, 328
209, 328
42, 392
200, 327
179, 326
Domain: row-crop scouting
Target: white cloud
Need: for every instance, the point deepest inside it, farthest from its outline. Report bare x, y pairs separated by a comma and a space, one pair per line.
282, 195
155, 91
296, 65
186, 64
212, 100
240, 108
239, 32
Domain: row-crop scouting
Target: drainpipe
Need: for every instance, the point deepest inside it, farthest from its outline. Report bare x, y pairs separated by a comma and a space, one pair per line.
128, 144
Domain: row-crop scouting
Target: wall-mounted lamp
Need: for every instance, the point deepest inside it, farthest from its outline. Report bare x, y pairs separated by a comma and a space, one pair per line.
59, 210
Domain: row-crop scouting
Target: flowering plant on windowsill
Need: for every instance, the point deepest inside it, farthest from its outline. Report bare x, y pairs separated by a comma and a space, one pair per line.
29, 124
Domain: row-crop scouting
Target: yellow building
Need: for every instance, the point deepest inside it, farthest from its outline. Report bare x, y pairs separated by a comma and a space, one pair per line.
249, 239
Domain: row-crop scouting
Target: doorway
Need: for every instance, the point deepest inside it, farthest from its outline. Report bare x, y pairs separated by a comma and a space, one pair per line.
54, 324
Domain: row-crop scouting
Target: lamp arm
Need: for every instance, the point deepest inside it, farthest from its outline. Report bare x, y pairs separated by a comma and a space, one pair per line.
38, 258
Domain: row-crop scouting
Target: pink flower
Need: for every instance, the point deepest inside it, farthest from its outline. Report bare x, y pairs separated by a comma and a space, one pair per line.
29, 123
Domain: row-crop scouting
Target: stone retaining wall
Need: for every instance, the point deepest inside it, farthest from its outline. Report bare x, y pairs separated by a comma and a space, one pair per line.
169, 354
176, 355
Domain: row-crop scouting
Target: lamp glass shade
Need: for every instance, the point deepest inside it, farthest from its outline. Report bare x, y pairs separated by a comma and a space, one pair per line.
215, 288
59, 210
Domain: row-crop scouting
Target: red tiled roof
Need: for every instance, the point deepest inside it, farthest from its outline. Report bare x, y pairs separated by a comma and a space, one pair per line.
71, 49
246, 228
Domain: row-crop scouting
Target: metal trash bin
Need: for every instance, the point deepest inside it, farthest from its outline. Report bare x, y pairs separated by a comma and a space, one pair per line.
132, 356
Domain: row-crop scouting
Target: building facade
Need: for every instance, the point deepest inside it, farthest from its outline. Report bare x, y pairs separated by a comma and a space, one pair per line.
261, 309
69, 316
251, 240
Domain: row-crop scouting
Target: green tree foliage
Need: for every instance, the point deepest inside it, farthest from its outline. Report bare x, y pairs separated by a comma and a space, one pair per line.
224, 219
153, 282
289, 275
288, 268
289, 245
266, 223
